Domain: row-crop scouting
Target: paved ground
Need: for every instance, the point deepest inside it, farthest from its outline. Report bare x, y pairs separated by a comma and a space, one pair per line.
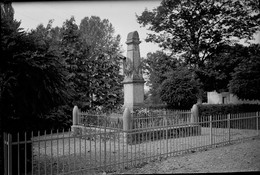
241, 157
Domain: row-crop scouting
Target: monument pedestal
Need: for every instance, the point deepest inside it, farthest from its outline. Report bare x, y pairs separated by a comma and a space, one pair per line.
133, 94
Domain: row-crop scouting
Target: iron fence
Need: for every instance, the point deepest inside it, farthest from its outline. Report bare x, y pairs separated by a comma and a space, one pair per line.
160, 118
113, 120
112, 149
147, 118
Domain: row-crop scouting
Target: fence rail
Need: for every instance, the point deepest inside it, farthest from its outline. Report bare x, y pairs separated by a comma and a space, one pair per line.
92, 119
151, 117
110, 149
157, 119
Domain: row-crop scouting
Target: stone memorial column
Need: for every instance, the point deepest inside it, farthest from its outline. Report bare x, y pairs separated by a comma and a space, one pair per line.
133, 81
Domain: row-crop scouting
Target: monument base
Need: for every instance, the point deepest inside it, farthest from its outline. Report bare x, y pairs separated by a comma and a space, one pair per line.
161, 134
133, 94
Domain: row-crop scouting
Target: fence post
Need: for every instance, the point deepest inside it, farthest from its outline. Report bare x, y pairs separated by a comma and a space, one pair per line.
105, 145
5, 153
75, 120
228, 123
257, 124
127, 123
194, 113
9, 154
210, 131
75, 115
166, 138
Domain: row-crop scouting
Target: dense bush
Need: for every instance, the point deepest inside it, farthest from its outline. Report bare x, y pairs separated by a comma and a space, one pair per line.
180, 90
58, 118
216, 109
155, 106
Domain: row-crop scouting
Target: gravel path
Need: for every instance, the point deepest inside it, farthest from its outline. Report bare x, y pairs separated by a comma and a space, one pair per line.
239, 157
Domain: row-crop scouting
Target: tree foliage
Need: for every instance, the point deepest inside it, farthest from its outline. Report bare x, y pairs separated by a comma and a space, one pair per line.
196, 29
156, 66
99, 35
203, 35
89, 52
93, 62
217, 73
106, 86
32, 79
180, 89
245, 82
46, 71
48, 38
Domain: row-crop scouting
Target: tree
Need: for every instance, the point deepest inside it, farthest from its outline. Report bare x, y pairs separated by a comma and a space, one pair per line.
217, 71
245, 82
180, 89
195, 29
90, 54
156, 66
32, 79
93, 62
48, 38
106, 86
198, 31
224, 72
99, 35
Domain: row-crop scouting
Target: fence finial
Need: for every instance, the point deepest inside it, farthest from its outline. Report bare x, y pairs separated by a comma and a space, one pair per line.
75, 116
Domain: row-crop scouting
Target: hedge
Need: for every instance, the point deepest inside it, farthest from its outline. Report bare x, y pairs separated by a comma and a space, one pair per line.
219, 112
217, 109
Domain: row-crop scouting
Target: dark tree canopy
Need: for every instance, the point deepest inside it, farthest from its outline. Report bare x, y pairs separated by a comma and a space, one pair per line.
216, 73
245, 82
180, 89
32, 78
196, 28
156, 66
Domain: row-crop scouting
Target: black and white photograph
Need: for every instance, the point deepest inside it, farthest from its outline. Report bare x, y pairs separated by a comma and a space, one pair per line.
104, 87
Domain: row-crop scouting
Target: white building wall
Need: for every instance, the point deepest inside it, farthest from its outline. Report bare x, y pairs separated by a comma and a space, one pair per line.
227, 98
214, 98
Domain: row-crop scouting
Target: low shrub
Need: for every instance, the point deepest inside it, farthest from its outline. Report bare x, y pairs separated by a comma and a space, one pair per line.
155, 106
218, 109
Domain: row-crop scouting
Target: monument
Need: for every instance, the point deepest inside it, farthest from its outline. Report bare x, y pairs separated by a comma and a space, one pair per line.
133, 80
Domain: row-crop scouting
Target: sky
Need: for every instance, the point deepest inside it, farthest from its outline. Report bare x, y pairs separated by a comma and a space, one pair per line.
121, 14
